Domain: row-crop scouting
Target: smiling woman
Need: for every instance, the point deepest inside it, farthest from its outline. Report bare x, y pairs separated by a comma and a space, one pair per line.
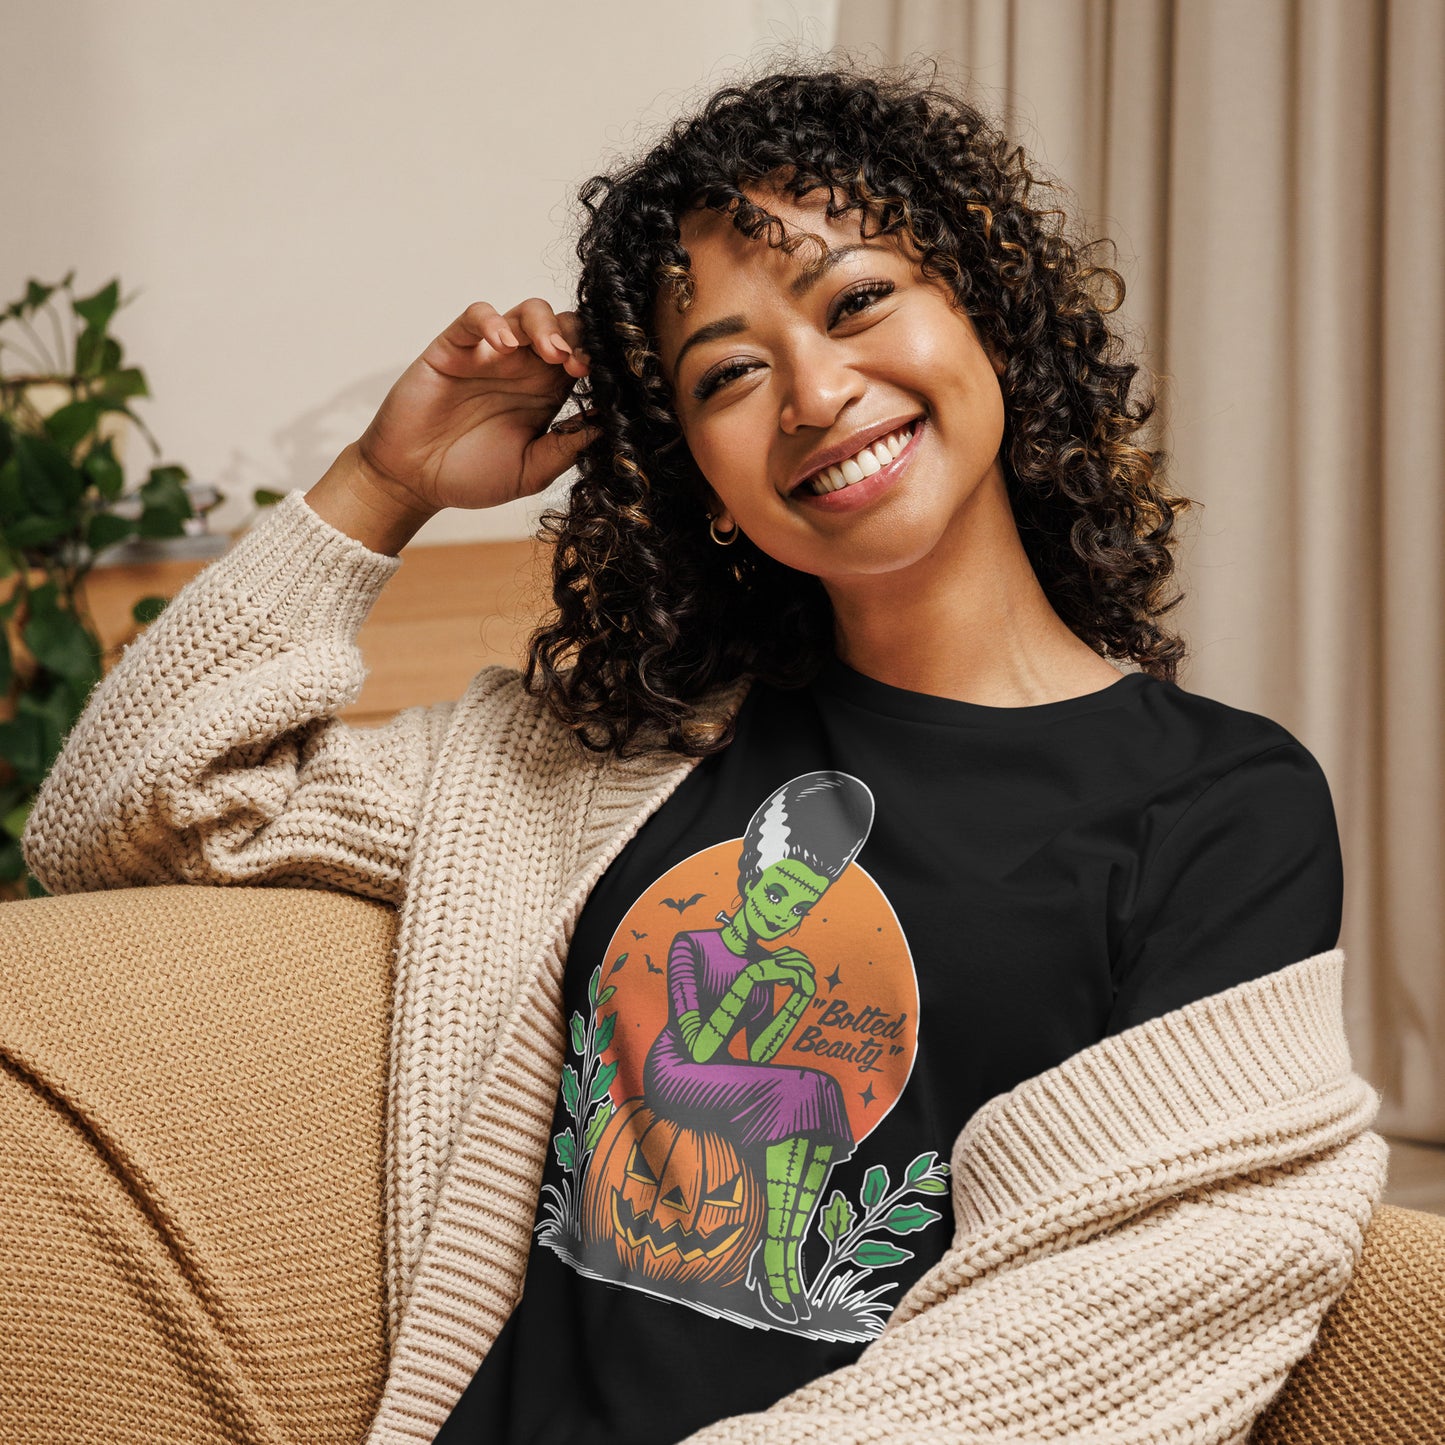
827, 320
935, 1034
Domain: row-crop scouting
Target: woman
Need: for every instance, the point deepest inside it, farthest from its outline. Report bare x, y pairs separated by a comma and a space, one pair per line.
857, 500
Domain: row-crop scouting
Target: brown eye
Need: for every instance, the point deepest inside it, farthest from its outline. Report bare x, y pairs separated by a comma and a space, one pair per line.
717, 377
867, 293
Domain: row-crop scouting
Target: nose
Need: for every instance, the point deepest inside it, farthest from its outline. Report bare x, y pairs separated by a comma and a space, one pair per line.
820, 382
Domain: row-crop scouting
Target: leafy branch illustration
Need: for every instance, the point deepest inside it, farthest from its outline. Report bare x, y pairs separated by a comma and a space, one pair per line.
587, 1085
848, 1234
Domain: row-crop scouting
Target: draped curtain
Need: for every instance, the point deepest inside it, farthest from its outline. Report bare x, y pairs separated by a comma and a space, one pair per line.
1273, 173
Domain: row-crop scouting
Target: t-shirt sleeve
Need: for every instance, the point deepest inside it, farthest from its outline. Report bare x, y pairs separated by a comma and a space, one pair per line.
1249, 880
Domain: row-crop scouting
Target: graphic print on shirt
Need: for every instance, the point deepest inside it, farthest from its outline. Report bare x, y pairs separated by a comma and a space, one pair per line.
725, 1068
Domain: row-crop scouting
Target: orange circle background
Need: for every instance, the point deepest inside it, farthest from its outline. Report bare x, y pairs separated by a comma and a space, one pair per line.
851, 929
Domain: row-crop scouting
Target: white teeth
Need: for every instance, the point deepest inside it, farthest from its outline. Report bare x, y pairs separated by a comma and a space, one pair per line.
871, 459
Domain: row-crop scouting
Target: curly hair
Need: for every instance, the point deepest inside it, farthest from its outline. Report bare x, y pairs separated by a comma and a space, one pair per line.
651, 613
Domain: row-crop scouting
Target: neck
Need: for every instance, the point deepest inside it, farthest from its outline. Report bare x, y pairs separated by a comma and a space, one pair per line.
969, 620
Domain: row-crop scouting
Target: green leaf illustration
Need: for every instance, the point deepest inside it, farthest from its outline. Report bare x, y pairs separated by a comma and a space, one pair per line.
566, 1147
570, 1089
932, 1186
606, 992
875, 1185
604, 1031
598, 1123
593, 983
906, 1218
875, 1253
579, 1034
837, 1218
920, 1166
602, 1082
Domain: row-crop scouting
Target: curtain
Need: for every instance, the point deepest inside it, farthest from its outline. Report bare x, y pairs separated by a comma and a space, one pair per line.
1273, 173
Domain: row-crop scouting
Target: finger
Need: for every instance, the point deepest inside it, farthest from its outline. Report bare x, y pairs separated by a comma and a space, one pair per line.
570, 325
476, 339
551, 453
542, 330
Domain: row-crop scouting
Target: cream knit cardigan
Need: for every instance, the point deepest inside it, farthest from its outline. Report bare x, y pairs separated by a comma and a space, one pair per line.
1147, 1235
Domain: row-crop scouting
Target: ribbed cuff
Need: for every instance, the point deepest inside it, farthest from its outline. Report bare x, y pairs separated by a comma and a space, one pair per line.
319, 577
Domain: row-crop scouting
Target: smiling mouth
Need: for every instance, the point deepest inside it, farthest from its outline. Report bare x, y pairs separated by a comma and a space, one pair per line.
865, 463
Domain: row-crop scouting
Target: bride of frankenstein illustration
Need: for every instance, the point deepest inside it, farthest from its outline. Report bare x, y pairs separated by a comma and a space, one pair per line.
722, 980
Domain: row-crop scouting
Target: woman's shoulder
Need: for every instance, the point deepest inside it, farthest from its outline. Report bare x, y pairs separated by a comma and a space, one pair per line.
1195, 728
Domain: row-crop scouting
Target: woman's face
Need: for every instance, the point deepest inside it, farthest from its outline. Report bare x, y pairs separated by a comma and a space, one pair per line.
782, 897
774, 371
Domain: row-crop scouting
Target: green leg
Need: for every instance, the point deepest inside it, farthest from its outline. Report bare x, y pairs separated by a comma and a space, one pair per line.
813, 1177
785, 1163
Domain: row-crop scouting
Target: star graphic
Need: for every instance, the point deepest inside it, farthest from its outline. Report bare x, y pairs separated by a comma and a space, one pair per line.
833, 979
868, 1095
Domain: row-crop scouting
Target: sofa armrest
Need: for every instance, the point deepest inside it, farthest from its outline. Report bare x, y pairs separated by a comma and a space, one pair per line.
1376, 1371
192, 1112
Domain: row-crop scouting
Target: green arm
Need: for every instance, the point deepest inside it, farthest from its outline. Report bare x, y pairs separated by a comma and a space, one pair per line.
776, 1034
705, 1039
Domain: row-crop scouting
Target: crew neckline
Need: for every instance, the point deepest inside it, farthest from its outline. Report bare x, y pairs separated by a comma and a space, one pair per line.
838, 678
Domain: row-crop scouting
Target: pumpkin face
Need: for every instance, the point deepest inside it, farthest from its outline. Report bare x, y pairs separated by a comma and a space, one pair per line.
676, 1203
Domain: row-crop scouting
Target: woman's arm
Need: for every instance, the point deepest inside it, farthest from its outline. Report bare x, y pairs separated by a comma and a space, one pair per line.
210, 752
1148, 1237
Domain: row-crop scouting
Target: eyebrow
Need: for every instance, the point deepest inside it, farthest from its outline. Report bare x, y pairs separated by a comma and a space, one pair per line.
731, 325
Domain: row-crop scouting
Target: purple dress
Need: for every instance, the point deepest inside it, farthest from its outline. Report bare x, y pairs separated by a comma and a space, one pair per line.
751, 1104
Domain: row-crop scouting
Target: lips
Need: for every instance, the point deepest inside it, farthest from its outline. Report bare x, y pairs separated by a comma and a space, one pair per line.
849, 447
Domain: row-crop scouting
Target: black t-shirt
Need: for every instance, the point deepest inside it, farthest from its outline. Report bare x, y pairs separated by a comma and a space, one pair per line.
836, 939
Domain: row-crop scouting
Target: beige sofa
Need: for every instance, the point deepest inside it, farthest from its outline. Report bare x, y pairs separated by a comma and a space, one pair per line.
191, 1128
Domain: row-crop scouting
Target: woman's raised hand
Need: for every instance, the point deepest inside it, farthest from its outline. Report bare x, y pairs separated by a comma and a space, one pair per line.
467, 423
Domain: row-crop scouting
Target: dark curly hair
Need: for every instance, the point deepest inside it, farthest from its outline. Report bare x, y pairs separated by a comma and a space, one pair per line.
656, 612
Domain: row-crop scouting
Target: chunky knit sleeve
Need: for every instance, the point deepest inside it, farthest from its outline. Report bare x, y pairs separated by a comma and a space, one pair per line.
210, 752
1148, 1238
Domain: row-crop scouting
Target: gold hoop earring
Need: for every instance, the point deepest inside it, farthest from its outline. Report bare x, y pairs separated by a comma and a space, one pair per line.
727, 541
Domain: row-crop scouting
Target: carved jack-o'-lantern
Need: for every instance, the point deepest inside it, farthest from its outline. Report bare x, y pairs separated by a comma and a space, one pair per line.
677, 1203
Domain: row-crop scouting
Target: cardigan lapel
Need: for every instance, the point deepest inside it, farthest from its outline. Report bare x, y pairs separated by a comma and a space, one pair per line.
484, 1175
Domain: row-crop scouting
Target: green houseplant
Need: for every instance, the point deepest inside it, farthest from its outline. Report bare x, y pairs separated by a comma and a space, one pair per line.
60, 481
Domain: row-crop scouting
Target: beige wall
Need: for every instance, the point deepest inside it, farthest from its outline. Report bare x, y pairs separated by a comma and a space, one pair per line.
302, 196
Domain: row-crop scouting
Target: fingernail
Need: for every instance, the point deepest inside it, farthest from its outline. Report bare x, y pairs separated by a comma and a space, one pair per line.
559, 343
508, 337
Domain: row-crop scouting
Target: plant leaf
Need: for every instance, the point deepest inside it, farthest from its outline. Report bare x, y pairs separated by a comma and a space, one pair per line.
579, 1034
60, 642
105, 529
128, 381
838, 1217
67, 425
148, 609
604, 1031
600, 1116
874, 1253
570, 1089
566, 1147
909, 1218
102, 468
14, 821
35, 530
602, 1082
920, 1166
166, 505
875, 1185
36, 295
50, 483
97, 309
